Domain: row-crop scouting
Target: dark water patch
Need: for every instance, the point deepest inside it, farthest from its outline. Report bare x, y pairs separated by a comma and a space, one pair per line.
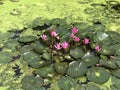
17, 71
16, 57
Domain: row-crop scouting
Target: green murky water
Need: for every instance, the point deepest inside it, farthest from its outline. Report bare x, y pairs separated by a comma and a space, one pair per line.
19, 14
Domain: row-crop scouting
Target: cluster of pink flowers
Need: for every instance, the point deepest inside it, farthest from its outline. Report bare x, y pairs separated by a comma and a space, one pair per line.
73, 36
77, 39
65, 44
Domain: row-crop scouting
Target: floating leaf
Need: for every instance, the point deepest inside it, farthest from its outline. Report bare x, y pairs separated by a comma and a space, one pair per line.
32, 83
38, 47
90, 59
110, 64
98, 75
5, 57
44, 71
116, 73
26, 48
99, 36
32, 59
27, 39
115, 83
46, 56
76, 52
77, 69
66, 83
107, 50
61, 68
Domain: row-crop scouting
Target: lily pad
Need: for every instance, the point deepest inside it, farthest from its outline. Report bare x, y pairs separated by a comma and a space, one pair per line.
5, 57
90, 59
76, 52
46, 56
116, 73
61, 68
98, 75
38, 47
44, 71
11, 44
27, 39
115, 83
32, 83
76, 69
26, 48
99, 36
107, 50
115, 37
66, 83
110, 64
32, 59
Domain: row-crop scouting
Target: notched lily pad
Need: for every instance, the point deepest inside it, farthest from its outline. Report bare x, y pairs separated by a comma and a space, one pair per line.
90, 59
27, 39
76, 69
98, 75
99, 36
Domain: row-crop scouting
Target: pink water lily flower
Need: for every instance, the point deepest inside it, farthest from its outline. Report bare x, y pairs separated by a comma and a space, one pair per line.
76, 39
74, 30
58, 46
98, 48
65, 45
53, 33
72, 35
86, 41
43, 37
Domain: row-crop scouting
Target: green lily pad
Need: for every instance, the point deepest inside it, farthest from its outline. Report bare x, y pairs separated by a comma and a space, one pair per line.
92, 86
32, 59
27, 39
90, 59
38, 47
99, 36
61, 68
76, 69
107, 50
110, 64
76, 52
5, 57
115, 37
98, 75
11, 44
46, 56
115, 83
66, 83
116, 73
32, 83
26, 48
44, 71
